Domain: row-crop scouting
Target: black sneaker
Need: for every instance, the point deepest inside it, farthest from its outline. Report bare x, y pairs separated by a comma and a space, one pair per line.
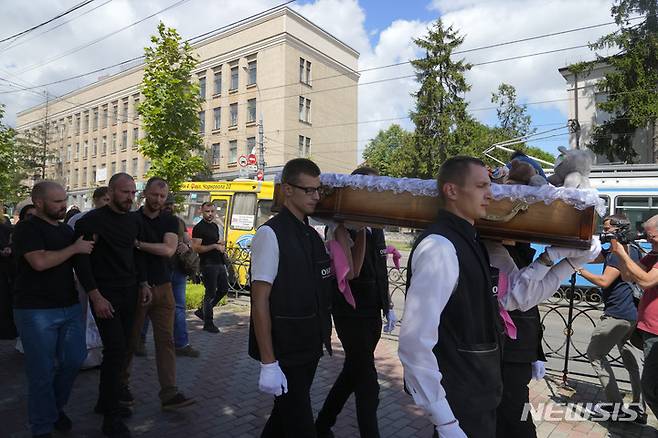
641, 415
126, 397
177, 401
199, 314
63, 423
212, 328
188, 351
121, 412
115, 428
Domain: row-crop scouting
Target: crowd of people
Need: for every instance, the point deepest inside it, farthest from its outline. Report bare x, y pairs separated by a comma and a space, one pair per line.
469, 344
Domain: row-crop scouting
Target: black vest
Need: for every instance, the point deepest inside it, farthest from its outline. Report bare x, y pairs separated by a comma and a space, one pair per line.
470, 332
300, 305
526, 348
370, 288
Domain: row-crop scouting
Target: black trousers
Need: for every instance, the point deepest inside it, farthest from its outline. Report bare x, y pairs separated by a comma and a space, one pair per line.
359, 336
7, 327
516, 377
115, 334
477, 424
215, 283
292, 414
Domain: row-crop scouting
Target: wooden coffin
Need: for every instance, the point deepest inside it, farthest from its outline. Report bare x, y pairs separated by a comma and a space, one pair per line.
557, 223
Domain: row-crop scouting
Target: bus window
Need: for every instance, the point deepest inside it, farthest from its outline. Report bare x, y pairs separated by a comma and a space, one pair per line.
637, 208
191, 213
221, 212
264, 212
599, 220
244, 209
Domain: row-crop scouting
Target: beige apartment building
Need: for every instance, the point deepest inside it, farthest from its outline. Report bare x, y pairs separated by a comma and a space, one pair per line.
277, 67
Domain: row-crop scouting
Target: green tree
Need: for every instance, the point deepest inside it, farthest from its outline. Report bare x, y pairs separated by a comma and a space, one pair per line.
383, 151
632, 97
513, 118
9, 190
170, 110
440, 106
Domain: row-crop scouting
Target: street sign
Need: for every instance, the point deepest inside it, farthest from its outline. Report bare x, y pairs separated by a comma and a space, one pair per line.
251, 159
259, 175
242, 161
252, 167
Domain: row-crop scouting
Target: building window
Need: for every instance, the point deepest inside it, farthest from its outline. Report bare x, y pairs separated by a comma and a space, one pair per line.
77, 151
68, 152
215, 154
115, 112
83, 177
77, 124
147, 166
304, 110
94, 147
85, 127
217, 118
251, 145
123, 166
202, 122
104, 146
233, 151
75, 177
113, 146
105, 116
95, 120
234, 114
202, 88
251, 67
304, 71
134, 168
135, 107
113, 168
234, 78
125, 110
251, 111
85, 149
124, 140
217, 86
304, 147
93, 174
135, 137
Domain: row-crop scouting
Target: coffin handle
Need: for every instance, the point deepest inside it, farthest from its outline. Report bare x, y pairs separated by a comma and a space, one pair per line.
518, 207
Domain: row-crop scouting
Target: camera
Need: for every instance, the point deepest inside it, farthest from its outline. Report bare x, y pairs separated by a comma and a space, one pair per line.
623, 235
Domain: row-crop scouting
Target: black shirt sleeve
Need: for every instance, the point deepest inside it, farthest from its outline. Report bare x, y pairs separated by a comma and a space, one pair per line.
82, 262
27, 238
170, 224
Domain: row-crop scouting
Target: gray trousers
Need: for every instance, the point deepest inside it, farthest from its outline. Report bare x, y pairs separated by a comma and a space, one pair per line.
608, 333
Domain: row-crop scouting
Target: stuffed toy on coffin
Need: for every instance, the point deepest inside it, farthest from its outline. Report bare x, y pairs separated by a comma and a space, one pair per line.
545, 214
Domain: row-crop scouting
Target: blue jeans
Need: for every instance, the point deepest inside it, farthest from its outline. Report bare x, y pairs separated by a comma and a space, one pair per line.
178, 285
55, 348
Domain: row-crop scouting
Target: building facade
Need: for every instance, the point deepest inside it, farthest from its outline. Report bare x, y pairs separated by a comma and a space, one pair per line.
584, 100
278, 69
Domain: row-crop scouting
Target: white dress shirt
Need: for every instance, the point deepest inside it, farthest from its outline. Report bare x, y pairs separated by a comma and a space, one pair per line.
435, 271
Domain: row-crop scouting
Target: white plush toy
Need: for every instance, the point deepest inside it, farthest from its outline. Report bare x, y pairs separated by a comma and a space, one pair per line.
572, 168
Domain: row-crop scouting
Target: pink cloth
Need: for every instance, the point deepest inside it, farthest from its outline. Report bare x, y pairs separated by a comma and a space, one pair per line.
390, 249
341, 268
503, 286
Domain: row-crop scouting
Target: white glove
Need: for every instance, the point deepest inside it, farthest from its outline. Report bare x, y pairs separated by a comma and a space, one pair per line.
451, 430
272, 380
557, 253
391, 320
587, 256
538, 370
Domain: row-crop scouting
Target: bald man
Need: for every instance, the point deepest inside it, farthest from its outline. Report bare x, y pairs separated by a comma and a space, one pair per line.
46, 308
114, 277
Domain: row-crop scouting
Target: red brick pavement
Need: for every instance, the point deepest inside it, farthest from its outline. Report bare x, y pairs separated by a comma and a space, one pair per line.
224, 383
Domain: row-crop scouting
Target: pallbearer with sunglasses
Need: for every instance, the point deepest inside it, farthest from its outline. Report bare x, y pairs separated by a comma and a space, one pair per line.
291, 283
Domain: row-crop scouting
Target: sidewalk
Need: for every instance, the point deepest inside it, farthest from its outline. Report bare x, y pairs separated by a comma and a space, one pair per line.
224, 383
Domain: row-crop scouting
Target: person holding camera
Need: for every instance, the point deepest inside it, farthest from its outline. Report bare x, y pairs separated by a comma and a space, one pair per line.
617, 323
645, 275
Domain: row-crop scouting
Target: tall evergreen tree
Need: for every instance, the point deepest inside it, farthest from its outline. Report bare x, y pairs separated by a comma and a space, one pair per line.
440, 105
632, 85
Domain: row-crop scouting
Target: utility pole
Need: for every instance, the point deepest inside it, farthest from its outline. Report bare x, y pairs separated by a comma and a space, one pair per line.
45, 140
575, 95
261, 145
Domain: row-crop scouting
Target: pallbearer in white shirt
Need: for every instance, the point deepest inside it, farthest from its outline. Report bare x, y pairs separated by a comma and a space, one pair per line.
450, 340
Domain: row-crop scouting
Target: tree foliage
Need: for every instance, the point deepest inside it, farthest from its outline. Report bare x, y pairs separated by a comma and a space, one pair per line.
170, 110
631, 86
440, 106
513, 118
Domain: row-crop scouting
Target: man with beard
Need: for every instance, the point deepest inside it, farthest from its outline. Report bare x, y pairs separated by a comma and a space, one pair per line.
46, 308
113, 276
158, 241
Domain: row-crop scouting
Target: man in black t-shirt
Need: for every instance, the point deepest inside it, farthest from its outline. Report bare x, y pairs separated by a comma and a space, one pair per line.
208, 241
46, 308
114, 277
157, 241
7, 327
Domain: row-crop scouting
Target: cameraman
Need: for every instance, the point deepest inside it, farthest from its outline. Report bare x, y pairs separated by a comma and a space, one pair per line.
645, 274
618, 320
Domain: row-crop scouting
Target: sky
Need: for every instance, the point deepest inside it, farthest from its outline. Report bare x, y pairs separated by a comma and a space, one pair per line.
381, 30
